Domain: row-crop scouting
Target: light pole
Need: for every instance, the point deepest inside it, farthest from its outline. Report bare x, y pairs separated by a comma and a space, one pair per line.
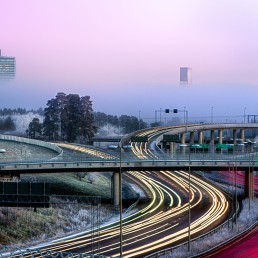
189, 195
120, 200
189, 201
139, 119
235, 175
211, 115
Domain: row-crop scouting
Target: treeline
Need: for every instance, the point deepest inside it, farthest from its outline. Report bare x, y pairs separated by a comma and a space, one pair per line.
19, 111
68, 118
126, 123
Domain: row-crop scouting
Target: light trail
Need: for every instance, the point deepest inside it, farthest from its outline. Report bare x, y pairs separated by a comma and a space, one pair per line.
162, 223
89, 151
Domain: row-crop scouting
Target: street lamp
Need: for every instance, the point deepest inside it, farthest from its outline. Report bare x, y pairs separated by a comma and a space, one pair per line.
249, 148
189, 196
120, 199
189, 200
211, 115
139, 119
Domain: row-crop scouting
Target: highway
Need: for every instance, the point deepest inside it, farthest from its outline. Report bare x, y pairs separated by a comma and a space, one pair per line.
161, 223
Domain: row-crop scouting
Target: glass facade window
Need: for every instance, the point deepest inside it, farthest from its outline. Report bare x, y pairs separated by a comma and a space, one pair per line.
7, 67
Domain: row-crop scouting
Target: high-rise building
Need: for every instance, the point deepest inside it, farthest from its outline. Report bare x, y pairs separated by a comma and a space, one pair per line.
185, 75
7, 67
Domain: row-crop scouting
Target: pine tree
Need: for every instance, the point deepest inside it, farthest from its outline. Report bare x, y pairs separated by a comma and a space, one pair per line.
35, 127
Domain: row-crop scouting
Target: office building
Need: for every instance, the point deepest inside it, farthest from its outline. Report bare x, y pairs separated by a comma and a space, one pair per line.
7, 67
185, 75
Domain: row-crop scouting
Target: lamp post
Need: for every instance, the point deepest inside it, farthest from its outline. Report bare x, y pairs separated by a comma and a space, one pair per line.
139, 119
235, 192
249, 148
189, 196
120, 199
211, 115
189, 201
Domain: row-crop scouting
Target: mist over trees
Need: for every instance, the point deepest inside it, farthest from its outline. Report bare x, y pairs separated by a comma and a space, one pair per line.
125, 124
71, 118
66, 118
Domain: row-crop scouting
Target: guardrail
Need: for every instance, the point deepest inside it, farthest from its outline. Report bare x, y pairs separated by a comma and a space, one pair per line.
47, 145
231, 240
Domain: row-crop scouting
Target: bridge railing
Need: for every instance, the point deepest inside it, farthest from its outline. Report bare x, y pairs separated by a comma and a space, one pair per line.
129, 157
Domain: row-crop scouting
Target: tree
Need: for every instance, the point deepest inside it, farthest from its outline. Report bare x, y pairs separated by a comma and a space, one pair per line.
81, 175
8, 124
87, 127
71, 117
51, 120
35, 127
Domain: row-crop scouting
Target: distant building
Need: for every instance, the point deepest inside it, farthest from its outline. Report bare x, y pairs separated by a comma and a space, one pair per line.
185, 75
7, 67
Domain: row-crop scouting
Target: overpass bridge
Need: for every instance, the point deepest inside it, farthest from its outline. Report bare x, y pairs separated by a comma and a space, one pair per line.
153, 159
158, 160
198, 162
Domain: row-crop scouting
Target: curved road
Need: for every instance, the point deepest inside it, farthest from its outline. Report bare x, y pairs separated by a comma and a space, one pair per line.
162, 223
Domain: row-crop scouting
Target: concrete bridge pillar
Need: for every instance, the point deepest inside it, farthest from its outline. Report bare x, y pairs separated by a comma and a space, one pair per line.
182, 138
249, 184
220, 137
242, 134
183, 147
212, 137
212, 141
234, 136
172, 147
191, 137
200, 137
242, 137
116, 189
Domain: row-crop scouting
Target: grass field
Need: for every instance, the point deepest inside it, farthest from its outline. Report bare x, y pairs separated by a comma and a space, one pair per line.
16, 223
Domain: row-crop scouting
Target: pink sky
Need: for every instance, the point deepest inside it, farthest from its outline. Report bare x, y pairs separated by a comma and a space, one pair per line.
106, 48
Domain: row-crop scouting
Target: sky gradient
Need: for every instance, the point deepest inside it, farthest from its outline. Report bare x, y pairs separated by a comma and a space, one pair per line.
126, 54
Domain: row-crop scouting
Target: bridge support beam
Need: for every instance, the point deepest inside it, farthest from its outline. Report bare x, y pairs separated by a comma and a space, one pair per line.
172, 147
191, 137
116, 189
234, 136
242, 137
220, 137
200, 137
249, 184
212, 141
183, 142
242, 134
182, 138
212, 137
